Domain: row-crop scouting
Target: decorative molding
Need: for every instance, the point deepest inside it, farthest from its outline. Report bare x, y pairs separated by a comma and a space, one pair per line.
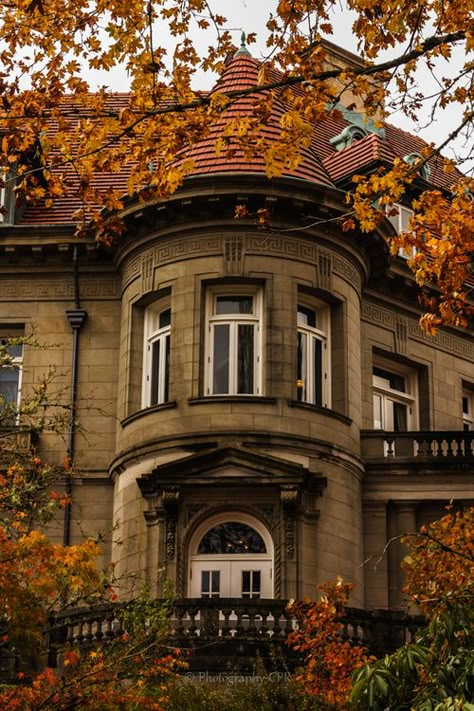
170, 542
401, 335
233, 254
324, 267
147, 271
443, 340
192, 510
171, 250
58, 289
289, 496
234, 248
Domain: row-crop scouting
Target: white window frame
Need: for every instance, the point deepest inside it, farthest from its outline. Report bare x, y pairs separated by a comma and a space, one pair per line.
468, 409
214, 319
400, 222
306, 385
154, 335
388, 397
16, 364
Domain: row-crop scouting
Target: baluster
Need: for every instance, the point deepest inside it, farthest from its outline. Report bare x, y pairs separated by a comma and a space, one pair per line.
225, 624
449, 451
390, 448
194, 629
459, 446
439, 444
239, 627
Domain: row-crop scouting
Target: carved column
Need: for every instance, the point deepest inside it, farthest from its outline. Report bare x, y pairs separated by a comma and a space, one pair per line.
161, 520
289, 496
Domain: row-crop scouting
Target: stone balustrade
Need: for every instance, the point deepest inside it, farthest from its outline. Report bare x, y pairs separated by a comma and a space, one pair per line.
198, 620
456, 446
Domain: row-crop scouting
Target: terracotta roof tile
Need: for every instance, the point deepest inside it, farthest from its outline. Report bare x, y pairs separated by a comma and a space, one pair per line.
321, 163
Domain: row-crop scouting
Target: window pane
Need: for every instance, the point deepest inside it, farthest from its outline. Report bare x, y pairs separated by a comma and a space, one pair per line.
301, 367
234, 305
245, 581
166, 374
216, 582
256, 583
465, 405
306, 317
400, 419
245, 358
220, 376
204, 581
233, 538
155, 372
9, 378
165, 318
378, 419
317, 372
393, 381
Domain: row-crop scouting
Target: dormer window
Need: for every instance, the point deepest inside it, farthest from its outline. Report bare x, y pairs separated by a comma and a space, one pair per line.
413, 159
400, 216
348, 136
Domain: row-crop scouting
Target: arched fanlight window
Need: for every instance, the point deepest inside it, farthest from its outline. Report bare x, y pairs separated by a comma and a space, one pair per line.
413, 159
231, 537
348, 136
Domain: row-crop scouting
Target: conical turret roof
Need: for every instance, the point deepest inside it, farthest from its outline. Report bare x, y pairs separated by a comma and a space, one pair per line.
240, 73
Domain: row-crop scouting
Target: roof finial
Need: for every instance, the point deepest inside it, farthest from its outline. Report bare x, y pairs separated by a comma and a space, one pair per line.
243, 46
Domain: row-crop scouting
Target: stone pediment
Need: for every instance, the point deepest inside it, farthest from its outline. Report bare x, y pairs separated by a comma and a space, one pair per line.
229, 466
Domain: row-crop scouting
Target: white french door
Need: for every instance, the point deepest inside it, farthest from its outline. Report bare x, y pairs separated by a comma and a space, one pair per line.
246, 577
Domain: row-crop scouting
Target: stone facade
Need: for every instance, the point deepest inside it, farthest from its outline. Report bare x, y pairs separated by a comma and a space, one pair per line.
308, 475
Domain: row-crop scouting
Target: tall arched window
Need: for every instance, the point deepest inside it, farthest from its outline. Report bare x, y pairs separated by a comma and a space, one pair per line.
229, 557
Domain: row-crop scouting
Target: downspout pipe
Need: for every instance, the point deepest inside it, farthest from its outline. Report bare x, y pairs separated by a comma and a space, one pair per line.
76, 318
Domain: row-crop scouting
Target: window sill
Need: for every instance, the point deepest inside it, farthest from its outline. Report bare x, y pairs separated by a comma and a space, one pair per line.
260, 399
146, 411
322, 410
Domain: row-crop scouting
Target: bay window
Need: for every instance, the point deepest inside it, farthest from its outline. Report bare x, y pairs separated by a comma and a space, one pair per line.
233, 343
157, 356
312, 371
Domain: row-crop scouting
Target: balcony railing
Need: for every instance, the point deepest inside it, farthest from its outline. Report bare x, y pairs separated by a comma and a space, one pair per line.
199, 620
454, 447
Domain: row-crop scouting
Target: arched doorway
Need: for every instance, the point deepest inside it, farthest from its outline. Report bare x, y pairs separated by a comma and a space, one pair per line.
231, 555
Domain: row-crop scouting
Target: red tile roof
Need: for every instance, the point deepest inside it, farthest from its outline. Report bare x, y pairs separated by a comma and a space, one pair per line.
321, 163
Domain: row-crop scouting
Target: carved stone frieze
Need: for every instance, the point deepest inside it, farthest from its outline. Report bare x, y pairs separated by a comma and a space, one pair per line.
443, 340
172, 250
60, 288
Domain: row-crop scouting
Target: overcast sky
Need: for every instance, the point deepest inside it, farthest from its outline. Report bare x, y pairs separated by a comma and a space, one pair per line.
251, 16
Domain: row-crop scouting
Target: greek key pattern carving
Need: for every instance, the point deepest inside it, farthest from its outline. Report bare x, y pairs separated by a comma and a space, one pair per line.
173, 250
346, 271
58, 289
450, 343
